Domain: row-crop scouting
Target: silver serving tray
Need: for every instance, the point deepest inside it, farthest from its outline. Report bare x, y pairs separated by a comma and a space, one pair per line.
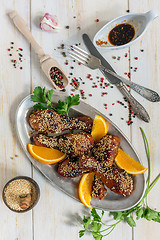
112, 201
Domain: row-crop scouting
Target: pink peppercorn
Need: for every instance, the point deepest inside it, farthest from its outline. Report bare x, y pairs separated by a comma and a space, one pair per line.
75, 83
90, 95
97, 20
136, 58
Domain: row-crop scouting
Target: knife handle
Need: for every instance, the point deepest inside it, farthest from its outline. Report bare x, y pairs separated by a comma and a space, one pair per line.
143, 91
137, 108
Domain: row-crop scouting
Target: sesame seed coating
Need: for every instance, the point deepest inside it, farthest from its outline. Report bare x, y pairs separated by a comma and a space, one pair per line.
71, 144
117, 180
106, 149
98, 188
70, 168
49, 121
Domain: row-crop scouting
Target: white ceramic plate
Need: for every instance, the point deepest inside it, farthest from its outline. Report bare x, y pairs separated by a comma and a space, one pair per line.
112, 201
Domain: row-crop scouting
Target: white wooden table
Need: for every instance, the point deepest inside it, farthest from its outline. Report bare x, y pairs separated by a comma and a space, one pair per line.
55, 216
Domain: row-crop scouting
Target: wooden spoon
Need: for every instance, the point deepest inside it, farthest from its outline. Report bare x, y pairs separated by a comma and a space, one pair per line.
45, 60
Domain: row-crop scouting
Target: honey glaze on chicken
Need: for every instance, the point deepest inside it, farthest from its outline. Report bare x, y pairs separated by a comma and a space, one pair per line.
117, 180
70, 168
106, 149
49, 121
98, 188
71, 144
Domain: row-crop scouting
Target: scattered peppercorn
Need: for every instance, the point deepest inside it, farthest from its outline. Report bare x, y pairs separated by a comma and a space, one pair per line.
64, 54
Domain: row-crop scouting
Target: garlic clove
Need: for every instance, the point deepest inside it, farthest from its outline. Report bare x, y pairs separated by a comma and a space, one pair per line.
49, 23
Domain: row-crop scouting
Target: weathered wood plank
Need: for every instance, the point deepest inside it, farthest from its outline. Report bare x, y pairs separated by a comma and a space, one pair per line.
15, 85
148, 75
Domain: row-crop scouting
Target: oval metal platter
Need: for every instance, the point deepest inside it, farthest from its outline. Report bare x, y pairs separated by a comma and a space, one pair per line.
112, 201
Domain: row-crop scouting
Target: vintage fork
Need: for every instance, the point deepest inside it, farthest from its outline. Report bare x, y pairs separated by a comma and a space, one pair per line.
94, 63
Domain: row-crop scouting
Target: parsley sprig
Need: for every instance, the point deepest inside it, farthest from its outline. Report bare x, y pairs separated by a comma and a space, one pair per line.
94, 223
44, 101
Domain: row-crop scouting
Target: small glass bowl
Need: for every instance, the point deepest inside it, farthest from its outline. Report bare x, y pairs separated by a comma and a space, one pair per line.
36, 188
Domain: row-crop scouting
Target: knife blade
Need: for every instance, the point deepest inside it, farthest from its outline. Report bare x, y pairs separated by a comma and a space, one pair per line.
138, 109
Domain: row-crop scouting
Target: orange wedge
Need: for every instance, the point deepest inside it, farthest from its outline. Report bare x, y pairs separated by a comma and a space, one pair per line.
85, 189
45, 155
124, 161
99, 128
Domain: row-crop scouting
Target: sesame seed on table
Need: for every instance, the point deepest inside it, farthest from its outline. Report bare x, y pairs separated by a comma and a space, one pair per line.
21, 73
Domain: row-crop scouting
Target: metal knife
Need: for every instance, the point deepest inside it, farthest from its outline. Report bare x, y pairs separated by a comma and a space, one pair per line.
137, 108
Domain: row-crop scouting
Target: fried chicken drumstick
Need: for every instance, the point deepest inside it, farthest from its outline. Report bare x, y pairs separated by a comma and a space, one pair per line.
71, 144
70, 168
106, 149
117, 180
49, 121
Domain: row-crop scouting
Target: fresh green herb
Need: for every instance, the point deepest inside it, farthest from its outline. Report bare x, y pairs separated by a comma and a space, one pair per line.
39, 95
44, 101
63, 107
94, 222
